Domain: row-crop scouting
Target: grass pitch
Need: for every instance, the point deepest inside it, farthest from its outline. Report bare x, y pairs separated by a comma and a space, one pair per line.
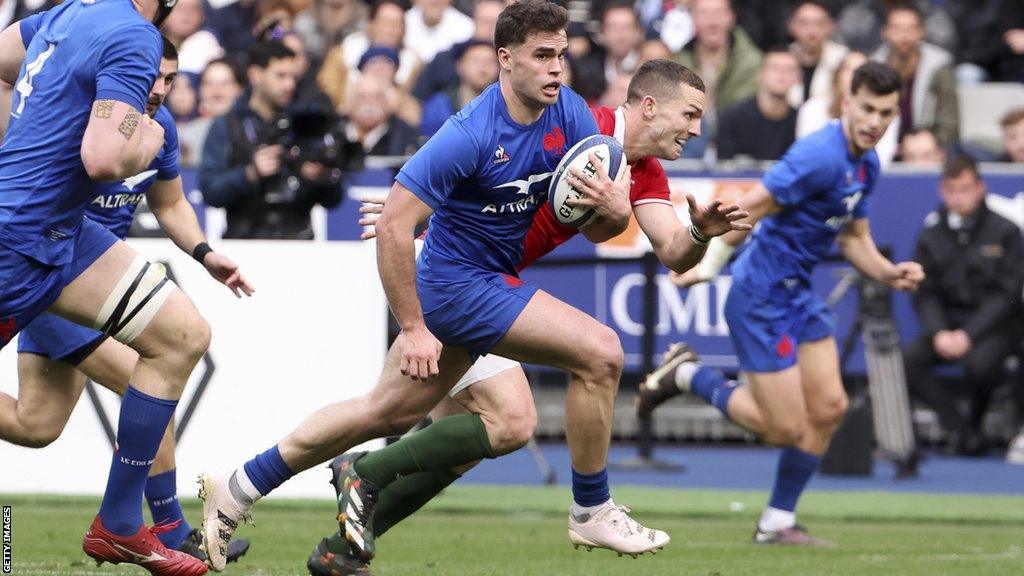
520, 531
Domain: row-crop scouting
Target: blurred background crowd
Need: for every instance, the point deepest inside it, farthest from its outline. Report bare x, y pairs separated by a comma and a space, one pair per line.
395, 69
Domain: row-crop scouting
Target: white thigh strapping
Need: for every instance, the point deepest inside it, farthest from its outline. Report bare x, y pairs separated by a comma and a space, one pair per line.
135, 300
484, 368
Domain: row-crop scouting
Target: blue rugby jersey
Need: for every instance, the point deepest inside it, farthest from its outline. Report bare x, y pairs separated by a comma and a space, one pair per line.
115, 202
485, 176
820, 188
78, 52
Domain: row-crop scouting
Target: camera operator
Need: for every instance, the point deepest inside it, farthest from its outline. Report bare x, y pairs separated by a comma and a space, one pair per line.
268, 161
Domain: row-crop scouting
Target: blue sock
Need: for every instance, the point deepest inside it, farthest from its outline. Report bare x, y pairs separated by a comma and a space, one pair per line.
590, 489
140, 427
711, 385
795, 470
267, 471
162, 497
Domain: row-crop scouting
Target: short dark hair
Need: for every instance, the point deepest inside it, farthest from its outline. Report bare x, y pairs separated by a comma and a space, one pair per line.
236, 72
818, 3
959, 164
880, 79
170, 52
520, 19
661, 78
619, 5
777, 49
904, 6
1012, 117
263, 52
376, 6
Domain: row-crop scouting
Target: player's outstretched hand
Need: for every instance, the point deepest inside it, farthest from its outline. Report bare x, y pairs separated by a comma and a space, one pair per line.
372, 206
908, 276
714, 219
609, 199
227, 273
419, 351
686, 279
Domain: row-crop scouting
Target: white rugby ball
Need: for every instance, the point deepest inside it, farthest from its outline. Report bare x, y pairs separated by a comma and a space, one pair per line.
611, 155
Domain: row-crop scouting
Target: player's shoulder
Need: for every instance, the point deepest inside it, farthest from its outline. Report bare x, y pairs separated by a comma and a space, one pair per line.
826, 137
648, 167
479, 116
605, 118
105, 17
569, 102
821, 151
164, 118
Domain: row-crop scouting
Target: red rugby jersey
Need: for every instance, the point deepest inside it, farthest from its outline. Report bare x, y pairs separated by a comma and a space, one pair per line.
649, 185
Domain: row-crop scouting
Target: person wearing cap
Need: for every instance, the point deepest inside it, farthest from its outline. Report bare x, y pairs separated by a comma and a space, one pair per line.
477, 67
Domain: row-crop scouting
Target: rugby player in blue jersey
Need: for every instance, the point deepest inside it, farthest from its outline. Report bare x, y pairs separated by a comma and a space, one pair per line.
78, 91
480, 179
783, 334
55, 356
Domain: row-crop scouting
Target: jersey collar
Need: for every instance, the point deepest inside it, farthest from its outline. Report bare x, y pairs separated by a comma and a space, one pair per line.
619, 132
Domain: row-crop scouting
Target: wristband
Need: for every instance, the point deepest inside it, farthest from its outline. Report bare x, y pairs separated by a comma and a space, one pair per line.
200, 251
714, 259
698, 238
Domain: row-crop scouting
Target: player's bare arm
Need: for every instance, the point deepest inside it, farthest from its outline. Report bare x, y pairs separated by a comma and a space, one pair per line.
177, 218
858, 246
119, 141
679, 247
12, 53
758, 202
610, 200
395, 230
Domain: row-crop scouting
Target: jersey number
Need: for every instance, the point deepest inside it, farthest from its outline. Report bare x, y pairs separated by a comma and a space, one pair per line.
24, 87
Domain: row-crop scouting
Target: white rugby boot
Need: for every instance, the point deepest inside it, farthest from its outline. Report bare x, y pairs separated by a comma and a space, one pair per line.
611, 527
222, 513
662, 384
1015, 453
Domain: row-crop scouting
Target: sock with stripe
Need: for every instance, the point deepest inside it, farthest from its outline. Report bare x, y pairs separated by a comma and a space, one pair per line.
259, 477
795, 470
140, 427
711, 385
162, 497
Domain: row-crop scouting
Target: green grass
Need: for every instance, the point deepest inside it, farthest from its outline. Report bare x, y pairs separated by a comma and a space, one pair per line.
520, 531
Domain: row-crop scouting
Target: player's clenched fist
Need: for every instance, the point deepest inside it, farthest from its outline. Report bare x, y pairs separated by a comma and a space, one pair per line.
907, 276
419, 352
151, 136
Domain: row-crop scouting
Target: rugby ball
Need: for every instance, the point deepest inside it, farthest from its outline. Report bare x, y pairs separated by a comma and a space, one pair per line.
611, 155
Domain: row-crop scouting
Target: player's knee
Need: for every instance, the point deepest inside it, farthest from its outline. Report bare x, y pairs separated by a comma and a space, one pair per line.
785, 433
195, 337
830, 412
604, 358
39, 436
512, 430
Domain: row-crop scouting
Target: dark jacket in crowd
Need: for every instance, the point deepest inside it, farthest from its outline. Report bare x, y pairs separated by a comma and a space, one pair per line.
439, 75
974, 274
980, 27
743, 130
269, 209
